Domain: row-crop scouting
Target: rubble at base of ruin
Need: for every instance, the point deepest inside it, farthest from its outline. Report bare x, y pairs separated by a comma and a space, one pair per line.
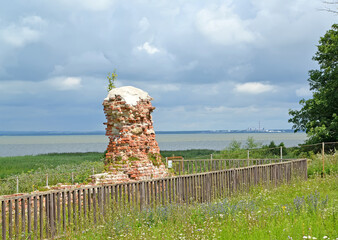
133, 153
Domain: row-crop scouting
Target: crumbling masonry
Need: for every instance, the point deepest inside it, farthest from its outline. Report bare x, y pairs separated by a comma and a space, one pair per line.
132, 153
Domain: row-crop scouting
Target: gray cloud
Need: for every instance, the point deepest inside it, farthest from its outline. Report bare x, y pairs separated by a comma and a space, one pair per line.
209, 65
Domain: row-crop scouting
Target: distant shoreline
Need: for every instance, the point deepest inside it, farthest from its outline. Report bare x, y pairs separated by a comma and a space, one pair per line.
63, 133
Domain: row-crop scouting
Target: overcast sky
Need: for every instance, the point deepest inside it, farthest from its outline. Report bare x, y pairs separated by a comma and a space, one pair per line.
207, 64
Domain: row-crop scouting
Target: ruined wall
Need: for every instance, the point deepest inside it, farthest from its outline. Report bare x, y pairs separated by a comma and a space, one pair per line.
133, 152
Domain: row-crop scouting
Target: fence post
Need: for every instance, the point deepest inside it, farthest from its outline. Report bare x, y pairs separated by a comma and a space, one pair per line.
72, 178
46, 180
93, 171
248, 157
166, 161
281, 152
17, 184
3, 219
323, 148
211, 156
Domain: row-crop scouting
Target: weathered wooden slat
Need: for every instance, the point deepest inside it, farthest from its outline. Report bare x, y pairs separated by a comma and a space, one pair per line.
193, 188
162, 190
89, 198
155, 192
63, 200
51, 214
147, 193
23, 218
10, 219
84, 200
79, 205
141, 188
47, 215
100, 200
16, 217
128, 193
29, 217
137, 197
104, 198
98, 194
120, 195
69, 206
133, 195
74, 208
3, 219
58, 210
94, 205
41, 215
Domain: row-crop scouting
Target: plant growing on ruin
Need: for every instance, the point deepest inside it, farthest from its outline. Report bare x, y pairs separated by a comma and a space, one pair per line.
111, 80
133, 158
155, 158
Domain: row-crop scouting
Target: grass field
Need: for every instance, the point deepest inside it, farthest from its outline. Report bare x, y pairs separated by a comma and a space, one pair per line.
22, 164
301, 210
77, 167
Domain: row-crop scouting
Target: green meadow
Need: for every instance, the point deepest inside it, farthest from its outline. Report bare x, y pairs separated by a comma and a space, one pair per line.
69, 168
300, 210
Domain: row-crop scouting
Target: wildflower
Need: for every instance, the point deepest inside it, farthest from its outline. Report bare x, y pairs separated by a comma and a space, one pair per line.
325, 237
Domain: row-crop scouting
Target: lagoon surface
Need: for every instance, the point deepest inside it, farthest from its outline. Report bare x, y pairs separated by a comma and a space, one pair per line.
32, 145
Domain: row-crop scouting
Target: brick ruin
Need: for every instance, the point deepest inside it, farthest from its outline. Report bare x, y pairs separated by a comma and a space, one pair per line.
132, 152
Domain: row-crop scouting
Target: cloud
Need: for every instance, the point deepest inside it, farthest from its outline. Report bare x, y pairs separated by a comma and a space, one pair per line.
225, 55
28, 30
221, 25
254, 88
143, 24
148, 48
19, 36
90, 5
303, 92
34, 21
19, 88
85, 63
163, 87
231, 110
65, 83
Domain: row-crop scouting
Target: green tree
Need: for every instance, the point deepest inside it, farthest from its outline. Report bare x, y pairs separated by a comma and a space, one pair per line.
234, 145
111, 80
319, 115
251, 143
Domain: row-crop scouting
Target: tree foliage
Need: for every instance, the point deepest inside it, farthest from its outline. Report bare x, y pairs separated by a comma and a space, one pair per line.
319, 115
251, 143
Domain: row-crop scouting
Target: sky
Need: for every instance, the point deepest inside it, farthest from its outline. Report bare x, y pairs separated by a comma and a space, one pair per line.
209, 65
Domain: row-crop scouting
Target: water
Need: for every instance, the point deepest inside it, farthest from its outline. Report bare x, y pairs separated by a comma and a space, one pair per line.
32, 145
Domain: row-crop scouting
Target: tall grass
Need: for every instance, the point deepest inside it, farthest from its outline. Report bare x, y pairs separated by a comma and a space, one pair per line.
190, 154
32, 171
23, 164
302, 210
315, 164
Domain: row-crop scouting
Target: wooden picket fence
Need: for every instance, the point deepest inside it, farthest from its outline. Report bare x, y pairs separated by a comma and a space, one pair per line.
183, 166
50, 214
